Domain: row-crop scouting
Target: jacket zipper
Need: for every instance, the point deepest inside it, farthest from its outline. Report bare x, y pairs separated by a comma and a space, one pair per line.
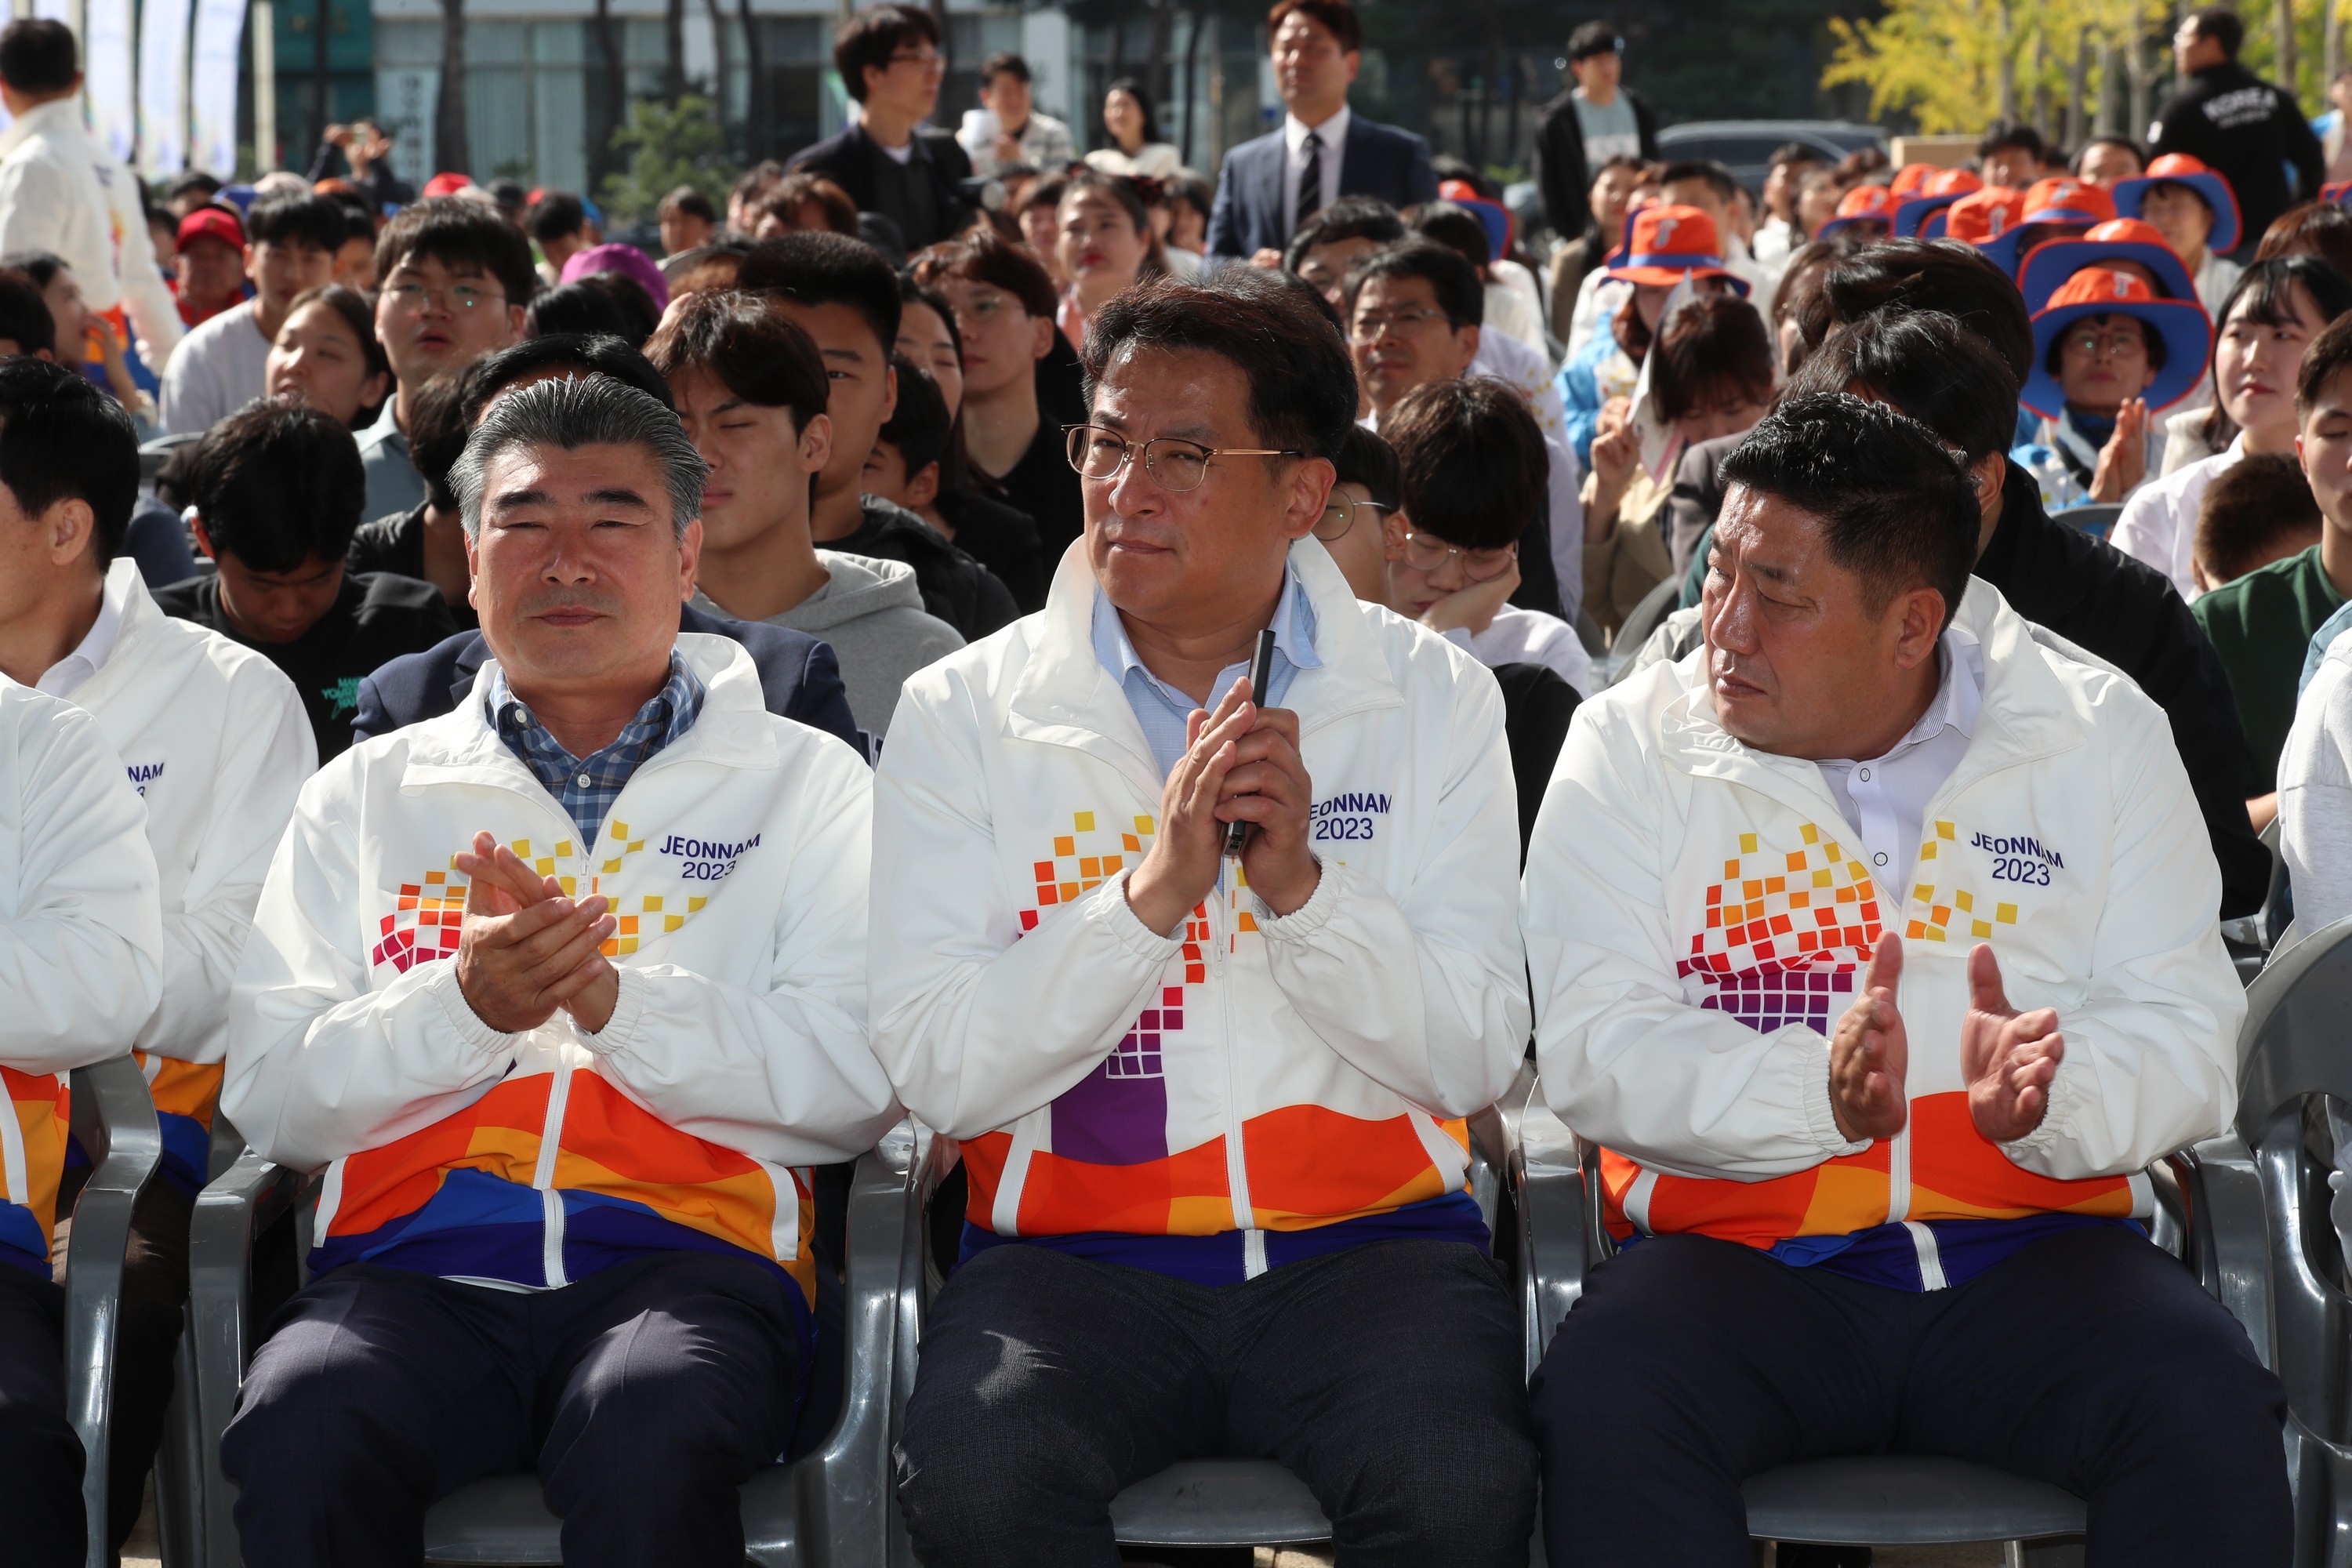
550, 1146
1236, 1155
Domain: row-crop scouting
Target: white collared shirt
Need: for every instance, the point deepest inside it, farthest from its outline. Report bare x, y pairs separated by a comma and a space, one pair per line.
66, 676
1334, 132
1886, 798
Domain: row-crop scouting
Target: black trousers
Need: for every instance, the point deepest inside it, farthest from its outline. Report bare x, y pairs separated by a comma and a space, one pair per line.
1386, 1378
40, 1455
643, 1396
2090, 1360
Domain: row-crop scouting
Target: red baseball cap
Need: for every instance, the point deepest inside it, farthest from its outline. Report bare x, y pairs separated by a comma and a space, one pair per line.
211, 223
1672, 243
447, 184
1910, 177
1984, 215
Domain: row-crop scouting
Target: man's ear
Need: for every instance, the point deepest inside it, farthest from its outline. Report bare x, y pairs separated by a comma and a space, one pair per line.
816, 443
923, 487
204, 540
1042, 328
515, 316
251, 270
67, 529
1310, 491
689, 559
1923, 617
889, 391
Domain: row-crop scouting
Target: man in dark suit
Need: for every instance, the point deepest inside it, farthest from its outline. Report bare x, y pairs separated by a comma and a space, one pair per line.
890, 162
1271, 185
797, 676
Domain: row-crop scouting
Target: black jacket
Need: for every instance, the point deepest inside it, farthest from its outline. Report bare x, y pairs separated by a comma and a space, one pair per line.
1560, 173
956, 588
1537, 706
2128, 614
848, 159
798, 677
1004, 539
2248, 132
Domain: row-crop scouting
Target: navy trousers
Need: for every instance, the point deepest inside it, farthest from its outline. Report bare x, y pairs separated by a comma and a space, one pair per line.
1386, 1378
2090, 1360
39, 1454
643, 1396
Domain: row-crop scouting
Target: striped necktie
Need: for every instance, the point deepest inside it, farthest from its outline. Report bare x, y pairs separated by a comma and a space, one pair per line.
1310, 182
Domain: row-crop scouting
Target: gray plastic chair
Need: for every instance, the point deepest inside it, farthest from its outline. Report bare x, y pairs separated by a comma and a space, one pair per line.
1644, 618
114, 1119
2286, 1282
1228, 1502
833, 1508
1879, 1500
2095, 518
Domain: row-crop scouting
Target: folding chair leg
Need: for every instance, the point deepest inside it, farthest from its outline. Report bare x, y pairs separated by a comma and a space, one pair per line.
180, 1466
2063, 1551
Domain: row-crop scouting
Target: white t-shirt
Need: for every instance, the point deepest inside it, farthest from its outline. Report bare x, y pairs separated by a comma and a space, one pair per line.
1529, 636
2314, 799
219, 367
2159, 524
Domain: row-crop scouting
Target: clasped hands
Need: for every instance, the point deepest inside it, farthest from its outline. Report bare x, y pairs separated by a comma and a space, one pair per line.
524, 950
1240, 763
2007, 1058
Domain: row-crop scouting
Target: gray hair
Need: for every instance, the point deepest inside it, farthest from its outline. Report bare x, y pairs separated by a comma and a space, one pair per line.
571, 412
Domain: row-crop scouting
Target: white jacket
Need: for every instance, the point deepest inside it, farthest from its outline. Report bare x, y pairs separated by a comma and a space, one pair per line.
216, 740
61, 192
736, 862
2158, 523
1108, 1078
1695, 930
78, 938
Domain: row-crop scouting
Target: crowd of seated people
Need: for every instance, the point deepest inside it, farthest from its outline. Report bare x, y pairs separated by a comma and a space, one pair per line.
1192, 689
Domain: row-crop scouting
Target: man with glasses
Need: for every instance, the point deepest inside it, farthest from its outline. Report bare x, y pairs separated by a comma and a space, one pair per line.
1270, 187
888, 160
1413, 312
1209, 1097
455, 280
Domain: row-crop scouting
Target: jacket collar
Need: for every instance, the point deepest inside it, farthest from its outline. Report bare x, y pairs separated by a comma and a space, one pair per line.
58, 117
2026, 714
1064, 697
460, 747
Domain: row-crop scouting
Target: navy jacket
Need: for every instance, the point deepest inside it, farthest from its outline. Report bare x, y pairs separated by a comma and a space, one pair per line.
797, 675
1379, 161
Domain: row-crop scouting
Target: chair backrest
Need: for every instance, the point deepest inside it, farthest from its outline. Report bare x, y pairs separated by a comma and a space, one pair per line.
2297, 1042
1655, 606
2095, 519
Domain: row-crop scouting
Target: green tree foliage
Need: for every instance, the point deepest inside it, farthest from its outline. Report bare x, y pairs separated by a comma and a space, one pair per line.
667, 147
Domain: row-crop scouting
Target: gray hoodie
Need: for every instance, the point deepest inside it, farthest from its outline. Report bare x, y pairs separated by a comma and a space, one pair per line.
872, 614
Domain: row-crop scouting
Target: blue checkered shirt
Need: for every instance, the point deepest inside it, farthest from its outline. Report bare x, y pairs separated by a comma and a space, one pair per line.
587, 787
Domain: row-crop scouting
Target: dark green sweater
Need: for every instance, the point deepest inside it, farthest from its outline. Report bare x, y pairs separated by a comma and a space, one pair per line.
2261, 626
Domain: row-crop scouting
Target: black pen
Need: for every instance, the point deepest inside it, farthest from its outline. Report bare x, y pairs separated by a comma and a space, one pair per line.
1261, 671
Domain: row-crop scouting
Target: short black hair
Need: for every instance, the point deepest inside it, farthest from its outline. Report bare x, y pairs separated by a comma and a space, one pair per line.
2006, 133
195, 182
1471, 463
437, 431
685, 201
1896, 506
555, 215
1710, 345
1004, 62
290, 219
1451, 277
871, 37
1336, 17
1302, 385
24, 318
1454, 226
1706, 172
918, 427
38, 56
63, 439
1349, 217
2329, 356
577, 308
279, 483
2252, 509
809, 267
458, 232
1796, 152
360, 216
1367, 460
2222, 26
1929, 366
758, 352
1958, 280
573, 354
1594, 38
2126, 142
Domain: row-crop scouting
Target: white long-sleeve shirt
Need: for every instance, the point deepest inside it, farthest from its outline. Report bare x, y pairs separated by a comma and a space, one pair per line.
62, 193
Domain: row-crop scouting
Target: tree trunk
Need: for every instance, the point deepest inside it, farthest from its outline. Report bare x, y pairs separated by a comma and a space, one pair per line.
450, 149
1192, 59
755, 95
720, 76
2136, 73
611, 102
2331, 45
2282, 30
1163, 21
2007, 38
673, 51
2077, 81
2042, 117
2110, 69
